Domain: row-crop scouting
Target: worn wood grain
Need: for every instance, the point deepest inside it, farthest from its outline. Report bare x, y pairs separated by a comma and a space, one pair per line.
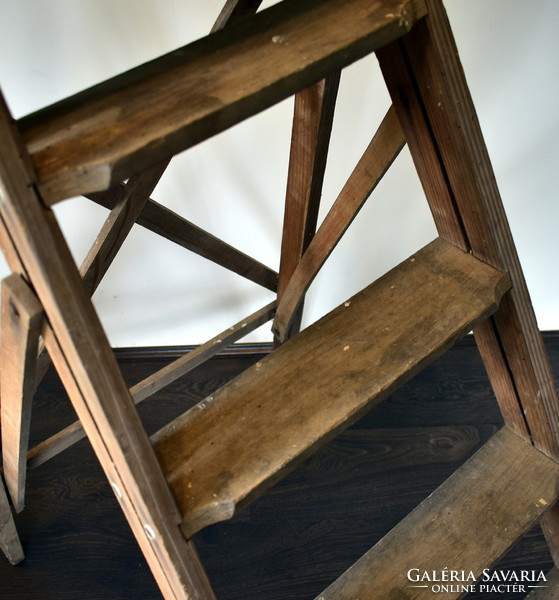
322, 380
427, 84
144, 389
467, 523
83, 357
377, 158
118, 224
105, 134
170, 225
22, 318
310, 138
9, 539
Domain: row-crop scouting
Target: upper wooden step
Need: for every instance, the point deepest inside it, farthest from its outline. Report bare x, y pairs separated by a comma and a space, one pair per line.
465, 526
107, 133
234, 444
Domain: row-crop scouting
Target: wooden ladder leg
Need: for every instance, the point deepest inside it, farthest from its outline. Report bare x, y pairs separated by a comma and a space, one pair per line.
86, 363
9, 539
21, 321
428, 87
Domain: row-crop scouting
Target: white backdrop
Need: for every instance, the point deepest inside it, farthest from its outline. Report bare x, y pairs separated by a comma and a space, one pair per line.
234, 185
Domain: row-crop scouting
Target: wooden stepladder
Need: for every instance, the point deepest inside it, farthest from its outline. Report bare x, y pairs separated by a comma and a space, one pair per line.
112, 143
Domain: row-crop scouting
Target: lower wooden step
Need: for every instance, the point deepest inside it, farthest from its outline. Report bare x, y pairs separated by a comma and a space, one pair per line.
442, 547
233, 445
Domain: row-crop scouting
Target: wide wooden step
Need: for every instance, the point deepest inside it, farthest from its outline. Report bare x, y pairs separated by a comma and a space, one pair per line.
103, 135
464, 527
234, 444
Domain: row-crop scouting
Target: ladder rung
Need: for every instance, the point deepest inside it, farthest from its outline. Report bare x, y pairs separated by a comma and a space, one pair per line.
466, 525
103, 135
233, 445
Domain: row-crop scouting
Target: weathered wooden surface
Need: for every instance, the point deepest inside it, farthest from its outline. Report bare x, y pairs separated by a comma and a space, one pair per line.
428, 87
71, 434
377, 158
427, 84
322, 380
22, 317
170, 225
103, 135
468, 523
83, 357
115, 230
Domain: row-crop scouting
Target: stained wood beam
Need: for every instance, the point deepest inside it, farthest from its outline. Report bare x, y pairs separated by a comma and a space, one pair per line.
88, 369
22, 318
168, 224
9, 539
377, 158
103, 135
429, 89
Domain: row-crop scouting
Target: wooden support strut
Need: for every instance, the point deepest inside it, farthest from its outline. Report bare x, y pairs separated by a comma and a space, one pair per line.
377, 158
83, 357
312, 126
22, 317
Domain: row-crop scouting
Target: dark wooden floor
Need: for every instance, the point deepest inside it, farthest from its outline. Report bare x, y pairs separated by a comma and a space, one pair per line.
289, 544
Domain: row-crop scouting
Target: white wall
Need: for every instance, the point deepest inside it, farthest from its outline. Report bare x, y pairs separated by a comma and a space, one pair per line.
234, 184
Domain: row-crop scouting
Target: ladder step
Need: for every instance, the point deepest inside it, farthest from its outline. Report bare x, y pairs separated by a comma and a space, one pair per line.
466, 525
233, 445
103, 135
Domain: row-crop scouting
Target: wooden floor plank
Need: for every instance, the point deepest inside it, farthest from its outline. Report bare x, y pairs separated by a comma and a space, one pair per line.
467, 524
103, 135
363, 351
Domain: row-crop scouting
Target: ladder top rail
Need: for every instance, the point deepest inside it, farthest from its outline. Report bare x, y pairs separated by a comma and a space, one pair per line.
103, 135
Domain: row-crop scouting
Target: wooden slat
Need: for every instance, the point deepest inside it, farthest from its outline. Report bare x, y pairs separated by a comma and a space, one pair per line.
144, 389
310, 138
9, 539
22, 317
321, 380
467, 524
377, 158
84, 359
127, 208
164, 222
105, 134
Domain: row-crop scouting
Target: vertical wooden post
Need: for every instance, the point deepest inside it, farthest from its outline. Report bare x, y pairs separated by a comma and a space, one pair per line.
310, 138
428, 87
20, 330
